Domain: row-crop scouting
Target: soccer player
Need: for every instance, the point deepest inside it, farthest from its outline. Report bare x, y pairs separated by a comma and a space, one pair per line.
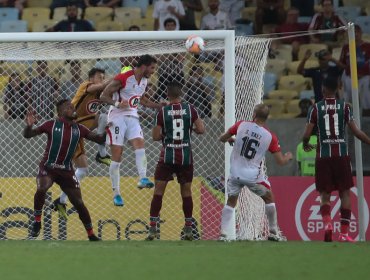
251, 143
56, 165
87, 104
125, 93
174, 125
333, 164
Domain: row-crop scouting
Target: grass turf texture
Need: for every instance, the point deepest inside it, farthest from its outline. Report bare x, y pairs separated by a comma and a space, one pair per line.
69, 260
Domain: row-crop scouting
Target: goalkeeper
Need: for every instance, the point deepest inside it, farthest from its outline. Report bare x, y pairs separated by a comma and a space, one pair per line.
252, 142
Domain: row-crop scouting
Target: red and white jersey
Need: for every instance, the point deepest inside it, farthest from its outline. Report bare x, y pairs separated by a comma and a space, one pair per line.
131, 90
251, 144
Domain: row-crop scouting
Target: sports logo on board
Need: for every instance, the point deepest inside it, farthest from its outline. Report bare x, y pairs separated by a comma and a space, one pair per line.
93, 106
308, 218
134, 101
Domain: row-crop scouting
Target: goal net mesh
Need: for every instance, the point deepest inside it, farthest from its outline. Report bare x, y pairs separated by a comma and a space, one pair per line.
38, 74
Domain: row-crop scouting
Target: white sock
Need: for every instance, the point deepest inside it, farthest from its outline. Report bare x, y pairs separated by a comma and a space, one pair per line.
81, 173
271, 217
141, 162
114, 176
63, 198
102, 122
227, 222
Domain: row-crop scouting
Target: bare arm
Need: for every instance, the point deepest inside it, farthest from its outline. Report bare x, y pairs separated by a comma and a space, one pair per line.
301, 65
306, 137
225, 137
28, 131
95, 88
358, 132
157, 133
199, 126
150, 104
97, 138
107, 94
282, 159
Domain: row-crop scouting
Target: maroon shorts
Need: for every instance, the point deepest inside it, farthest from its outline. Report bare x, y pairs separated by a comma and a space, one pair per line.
164, 172
64, 178
333, 174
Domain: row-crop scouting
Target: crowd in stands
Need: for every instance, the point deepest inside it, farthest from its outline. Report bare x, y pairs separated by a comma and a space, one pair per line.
295, 67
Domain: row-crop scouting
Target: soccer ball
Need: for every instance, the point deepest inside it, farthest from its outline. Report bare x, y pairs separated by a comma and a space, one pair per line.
194, 44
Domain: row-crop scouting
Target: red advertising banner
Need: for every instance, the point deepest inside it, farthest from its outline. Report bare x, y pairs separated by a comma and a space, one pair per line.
298, 205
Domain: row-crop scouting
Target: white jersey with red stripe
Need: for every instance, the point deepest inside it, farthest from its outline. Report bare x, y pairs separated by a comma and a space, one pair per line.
251, 144
131, 90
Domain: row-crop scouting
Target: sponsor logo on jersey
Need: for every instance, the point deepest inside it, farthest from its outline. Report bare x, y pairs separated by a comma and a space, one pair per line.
92, 106
309, 221
134, 101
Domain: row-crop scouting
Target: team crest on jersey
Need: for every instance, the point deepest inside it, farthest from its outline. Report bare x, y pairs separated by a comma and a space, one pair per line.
75, 131
134, 101
92, 106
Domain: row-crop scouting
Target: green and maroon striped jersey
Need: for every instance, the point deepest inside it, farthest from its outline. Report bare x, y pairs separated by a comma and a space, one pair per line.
330, 116
176, 121
62, 141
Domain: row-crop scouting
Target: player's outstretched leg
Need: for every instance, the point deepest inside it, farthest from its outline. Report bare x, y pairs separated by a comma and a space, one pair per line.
114, 176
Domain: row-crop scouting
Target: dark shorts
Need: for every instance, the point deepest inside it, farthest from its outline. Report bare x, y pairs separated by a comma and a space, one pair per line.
64, 178
164, 172
333, 174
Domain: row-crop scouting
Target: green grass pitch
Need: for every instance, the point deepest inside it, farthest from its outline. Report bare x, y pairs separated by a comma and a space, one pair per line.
177, 260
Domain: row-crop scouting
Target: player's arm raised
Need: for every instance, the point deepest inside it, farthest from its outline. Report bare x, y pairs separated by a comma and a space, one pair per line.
358, 132
144, 100
95, 88
28, 131
97, 138
107, 94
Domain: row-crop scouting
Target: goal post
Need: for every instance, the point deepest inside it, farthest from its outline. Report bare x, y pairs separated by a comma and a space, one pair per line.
224, 83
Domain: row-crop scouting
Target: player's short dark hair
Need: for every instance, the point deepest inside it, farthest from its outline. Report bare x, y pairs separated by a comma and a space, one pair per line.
261, 111
95, 70
331, 83
174, 89
60, 103
169, 20
146, 60
72, 3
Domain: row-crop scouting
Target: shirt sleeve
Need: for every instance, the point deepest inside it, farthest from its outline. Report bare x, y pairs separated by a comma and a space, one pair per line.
312, 114
46, 127
234, 129
274, 144
159, 118
122, 77
194, 114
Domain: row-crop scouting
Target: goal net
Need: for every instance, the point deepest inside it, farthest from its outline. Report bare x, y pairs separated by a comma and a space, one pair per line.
37, 72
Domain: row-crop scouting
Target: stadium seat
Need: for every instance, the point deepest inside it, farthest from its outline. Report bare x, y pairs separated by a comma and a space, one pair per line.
110, 26
276, 66
306, 94
127, 15
293, 66
10, 26
283, 94
292, 107
35, 14
42, 25
39, 3
313, 47
145, 24
277, 107
292, 82
358, 3
97, 14
364, 23
269, 82
9, 14
349, 13
142, 4
4, 79
60, 13
284, 54
249, 13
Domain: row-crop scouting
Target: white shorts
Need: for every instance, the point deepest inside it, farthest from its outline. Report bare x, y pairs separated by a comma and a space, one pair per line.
235, 185
122, 129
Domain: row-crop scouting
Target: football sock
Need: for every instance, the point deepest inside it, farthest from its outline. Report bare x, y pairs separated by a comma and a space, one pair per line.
187, 207
325, 213
89, 229
271, 217
154, 221
114, 176
39, 200
37, 214
102, 122
226, 219
155, 208
63, 198
141, 162
81, 173
345, 218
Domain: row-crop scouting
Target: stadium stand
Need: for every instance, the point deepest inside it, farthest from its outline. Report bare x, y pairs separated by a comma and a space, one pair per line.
9, 14
142, 4
9, 26
38, 3
97, 14
32, 15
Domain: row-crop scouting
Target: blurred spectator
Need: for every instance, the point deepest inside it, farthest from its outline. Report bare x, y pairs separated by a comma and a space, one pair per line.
72, 23
68, 88
306, 7
15, 98
170, 24
291, 24
190, 6
304, 105
198, 92
215, 19
327, 19
134, 28
233, 8
43, 91
269, 12
164, 9
19, 4
102, 3
363, 71
65, 3
306, 160
328, 67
